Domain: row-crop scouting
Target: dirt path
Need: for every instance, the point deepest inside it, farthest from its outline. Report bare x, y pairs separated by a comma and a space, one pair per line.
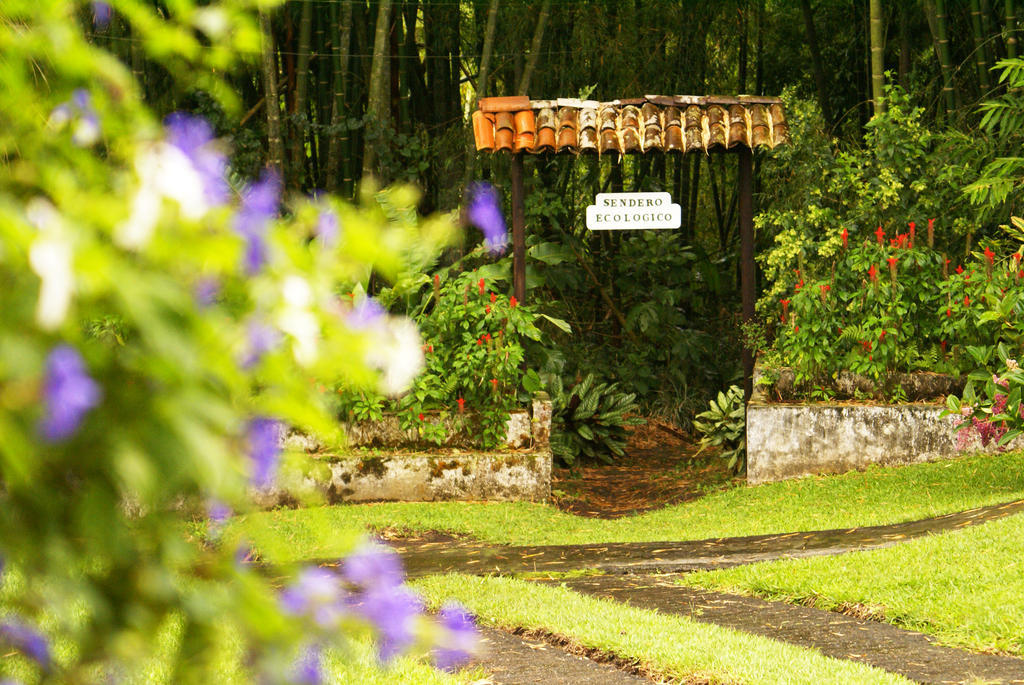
660, 468
893, 649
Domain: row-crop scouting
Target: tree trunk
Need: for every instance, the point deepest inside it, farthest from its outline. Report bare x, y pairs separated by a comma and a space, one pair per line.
339, 139
275, 147
538, 39
877, 56
376, 104
817, 66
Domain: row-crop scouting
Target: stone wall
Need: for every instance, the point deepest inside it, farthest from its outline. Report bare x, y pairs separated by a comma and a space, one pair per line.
522, 471
790, 440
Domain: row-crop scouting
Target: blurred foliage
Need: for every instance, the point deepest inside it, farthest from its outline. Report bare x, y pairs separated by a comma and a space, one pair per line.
159, 387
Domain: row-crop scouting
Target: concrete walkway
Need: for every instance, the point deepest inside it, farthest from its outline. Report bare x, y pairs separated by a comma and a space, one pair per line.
885, 646
422, 559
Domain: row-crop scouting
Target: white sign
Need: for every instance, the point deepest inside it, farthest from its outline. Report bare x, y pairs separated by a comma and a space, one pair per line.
625, 211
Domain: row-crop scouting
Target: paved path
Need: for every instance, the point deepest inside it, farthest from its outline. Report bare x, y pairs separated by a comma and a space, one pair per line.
885, 646
528, 660
422, 559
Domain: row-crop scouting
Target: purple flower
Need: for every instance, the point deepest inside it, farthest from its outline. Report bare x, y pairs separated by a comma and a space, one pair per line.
79, 108
366, 313
327, 227
484, 212
101, 13
69, 393
194, 137
316, 593
27, 641
262, 339
308, 668
259, 206
459, 637
264, 449
373, 566
393, 612
206, 291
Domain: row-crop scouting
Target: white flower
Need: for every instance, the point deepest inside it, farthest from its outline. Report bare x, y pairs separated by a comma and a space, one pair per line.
298, 321
51, 259
164, 172
398, 353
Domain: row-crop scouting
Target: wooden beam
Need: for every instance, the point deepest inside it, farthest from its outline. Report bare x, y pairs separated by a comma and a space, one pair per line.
518, 229
747, 267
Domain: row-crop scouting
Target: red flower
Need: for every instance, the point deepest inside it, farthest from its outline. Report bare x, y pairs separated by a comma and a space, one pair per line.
785, 308
894, 242
430, 349
990, 256
967, 301
845, 237
913, 226
481, 286
799, 285
825, 288
880, 234
487, 336
901, 240
487, 309
421, 417
881, 336
479, 341
796, 329
866, 344
512, 302
959, 268
1017, 256
462, 405
949, 312
437, 280
493, 297
892, 262
873, 274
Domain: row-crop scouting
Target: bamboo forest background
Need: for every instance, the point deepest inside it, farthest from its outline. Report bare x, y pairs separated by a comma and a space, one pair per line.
349, 88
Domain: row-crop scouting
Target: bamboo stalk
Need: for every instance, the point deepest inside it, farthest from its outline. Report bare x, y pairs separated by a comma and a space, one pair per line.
376, 104
945, 65
1010, 28
300, 123
877, 56
275, 146
979, 46
538, 38
341, 51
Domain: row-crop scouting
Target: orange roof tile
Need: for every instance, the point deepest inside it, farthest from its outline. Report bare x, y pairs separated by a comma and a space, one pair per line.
669, 123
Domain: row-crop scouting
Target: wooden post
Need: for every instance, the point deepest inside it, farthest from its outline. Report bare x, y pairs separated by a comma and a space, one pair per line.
747, 270
518, 229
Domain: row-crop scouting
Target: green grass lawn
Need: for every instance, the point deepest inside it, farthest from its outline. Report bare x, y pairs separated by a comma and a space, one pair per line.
872, 497
964, 587
671, 646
